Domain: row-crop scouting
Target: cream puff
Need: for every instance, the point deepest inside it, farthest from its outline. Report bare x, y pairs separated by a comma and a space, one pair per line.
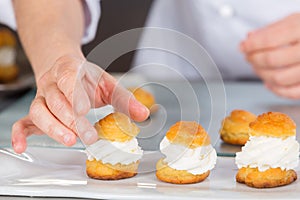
235, 127
8, 68
272, 152
189, 156
145, 98
116, 154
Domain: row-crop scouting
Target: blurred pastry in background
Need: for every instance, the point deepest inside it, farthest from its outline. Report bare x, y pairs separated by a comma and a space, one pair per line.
8, 69
235, 127
269, 157
145, 98
116, 154
189, 154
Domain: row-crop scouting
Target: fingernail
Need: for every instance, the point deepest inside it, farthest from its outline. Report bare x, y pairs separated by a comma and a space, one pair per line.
146, 110
18, 148
90, 137
139, 112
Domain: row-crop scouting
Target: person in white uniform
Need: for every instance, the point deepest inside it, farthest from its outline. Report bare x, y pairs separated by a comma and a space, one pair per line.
266, 33
51, 32
246, 40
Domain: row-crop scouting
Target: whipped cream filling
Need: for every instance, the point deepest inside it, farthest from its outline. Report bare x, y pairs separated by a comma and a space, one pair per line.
269, 152
195, 161
115, 152
7, 56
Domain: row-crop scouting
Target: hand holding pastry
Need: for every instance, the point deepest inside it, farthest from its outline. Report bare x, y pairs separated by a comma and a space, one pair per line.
64, 96
273, 53
51, 33
272, 152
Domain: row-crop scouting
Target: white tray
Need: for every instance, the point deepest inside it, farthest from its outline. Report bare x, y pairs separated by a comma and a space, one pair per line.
61, 173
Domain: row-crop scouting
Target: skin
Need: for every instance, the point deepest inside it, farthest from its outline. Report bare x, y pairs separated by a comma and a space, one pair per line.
67, 85
273, 52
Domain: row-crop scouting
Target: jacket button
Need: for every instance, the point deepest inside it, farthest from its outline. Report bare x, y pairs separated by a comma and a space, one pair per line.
226, 11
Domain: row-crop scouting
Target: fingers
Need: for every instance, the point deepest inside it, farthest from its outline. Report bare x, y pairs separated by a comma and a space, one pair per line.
49, 124
273, 53
95, 76
65, 95
68, 77
286, 76
284, 82
108, 91
45, 121
59, 106
121, 99
278, 34
275, 58
86, 132
20, 131
291, 92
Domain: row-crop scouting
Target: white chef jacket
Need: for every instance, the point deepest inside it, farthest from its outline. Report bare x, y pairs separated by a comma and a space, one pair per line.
218, 25
91, 12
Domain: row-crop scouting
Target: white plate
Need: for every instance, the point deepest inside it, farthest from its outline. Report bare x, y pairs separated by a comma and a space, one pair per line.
61, 173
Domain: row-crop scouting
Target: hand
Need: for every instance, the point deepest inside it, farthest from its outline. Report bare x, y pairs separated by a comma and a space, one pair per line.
64, 96
274, 52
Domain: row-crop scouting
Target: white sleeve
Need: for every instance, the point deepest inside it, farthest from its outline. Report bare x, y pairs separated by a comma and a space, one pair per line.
7, 16
91, 13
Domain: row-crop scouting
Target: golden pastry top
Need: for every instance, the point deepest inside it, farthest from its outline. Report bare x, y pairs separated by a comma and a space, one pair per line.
188, 133
273, 124
237, 122
116, 127
7, 38
143, 96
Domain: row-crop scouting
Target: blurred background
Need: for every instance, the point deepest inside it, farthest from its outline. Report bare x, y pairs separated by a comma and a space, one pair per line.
118, 16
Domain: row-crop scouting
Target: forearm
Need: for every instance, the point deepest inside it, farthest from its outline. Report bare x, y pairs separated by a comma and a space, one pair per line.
49, 30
